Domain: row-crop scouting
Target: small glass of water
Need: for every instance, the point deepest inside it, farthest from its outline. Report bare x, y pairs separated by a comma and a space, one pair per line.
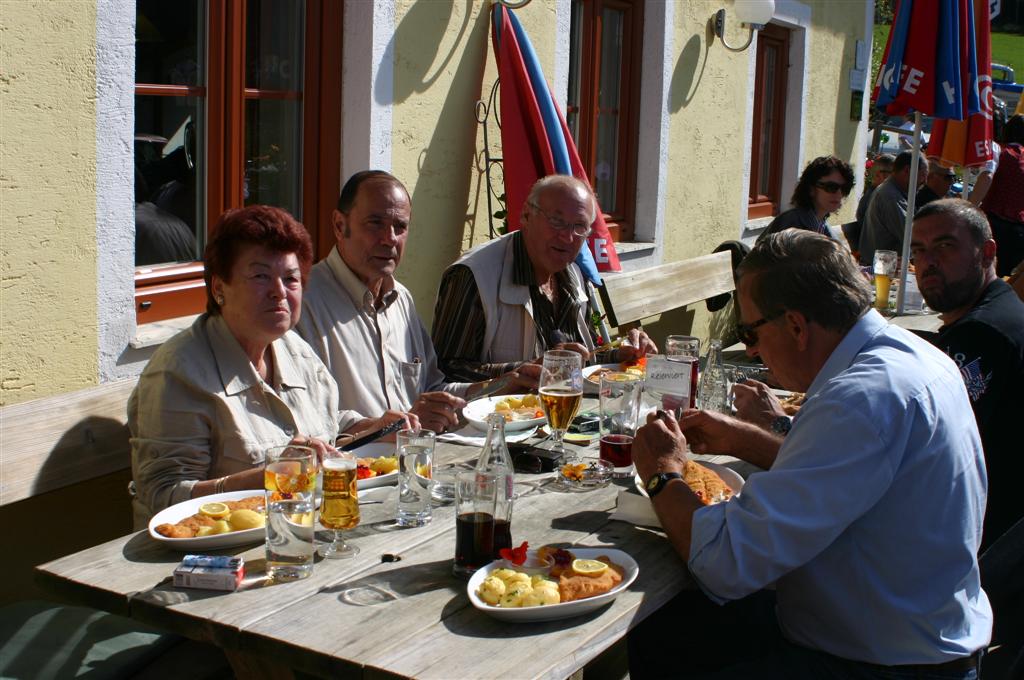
415, 471
290, 476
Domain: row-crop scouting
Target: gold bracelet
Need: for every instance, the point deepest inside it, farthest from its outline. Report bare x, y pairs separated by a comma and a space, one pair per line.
219, 486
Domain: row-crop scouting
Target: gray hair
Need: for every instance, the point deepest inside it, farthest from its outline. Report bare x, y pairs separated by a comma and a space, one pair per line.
799, 270
961, 212
567, 182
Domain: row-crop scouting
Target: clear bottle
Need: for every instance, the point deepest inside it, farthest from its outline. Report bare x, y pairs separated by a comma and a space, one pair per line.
495, 460
713, 393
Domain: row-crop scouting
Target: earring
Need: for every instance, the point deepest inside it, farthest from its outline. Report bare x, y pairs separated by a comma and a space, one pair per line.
220, 300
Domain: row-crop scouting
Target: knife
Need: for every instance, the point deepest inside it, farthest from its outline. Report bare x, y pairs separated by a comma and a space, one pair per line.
494, 386
373, 436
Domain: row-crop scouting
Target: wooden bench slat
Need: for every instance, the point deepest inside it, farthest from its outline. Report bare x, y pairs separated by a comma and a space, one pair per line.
633, 296
49, 443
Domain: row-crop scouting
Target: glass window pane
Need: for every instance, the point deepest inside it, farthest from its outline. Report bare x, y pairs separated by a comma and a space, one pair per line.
169, 179
274, 44
606, 170
768, 122
273, 153
168, 42
611, 59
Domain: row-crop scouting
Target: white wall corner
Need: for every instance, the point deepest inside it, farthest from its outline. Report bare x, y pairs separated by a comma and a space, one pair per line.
115, 181
796, 16
560, 37
368, 61
653, 135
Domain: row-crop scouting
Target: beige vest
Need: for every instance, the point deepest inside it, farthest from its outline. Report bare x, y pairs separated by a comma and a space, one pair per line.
510, 334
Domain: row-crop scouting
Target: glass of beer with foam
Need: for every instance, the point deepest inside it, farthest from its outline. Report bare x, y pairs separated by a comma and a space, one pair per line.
339, 508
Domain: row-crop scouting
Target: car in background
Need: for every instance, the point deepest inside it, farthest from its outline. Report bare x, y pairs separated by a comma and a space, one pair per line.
1006, 87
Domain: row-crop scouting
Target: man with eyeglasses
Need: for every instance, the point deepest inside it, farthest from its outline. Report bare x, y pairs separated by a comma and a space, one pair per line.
886, 217
937, 184
363, 323
868, 514
983, 332
506, 302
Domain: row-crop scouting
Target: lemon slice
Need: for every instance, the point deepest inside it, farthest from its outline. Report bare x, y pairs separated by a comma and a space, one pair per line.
588, 567
214, 510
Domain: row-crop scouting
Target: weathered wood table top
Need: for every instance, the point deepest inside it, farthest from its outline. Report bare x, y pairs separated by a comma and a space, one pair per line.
364, 617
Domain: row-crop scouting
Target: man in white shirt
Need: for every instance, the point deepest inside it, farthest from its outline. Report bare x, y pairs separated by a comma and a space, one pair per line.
363, 323
868, 516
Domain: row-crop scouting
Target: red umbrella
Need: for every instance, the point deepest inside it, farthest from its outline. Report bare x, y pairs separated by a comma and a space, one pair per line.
968, 143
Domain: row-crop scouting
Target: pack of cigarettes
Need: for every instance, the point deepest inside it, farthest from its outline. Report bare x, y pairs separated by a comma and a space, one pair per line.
210, 572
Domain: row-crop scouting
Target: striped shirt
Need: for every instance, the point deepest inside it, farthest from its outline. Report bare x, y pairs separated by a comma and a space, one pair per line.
459, 321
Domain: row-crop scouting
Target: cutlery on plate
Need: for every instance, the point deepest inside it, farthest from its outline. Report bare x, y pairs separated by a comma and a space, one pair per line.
373, 436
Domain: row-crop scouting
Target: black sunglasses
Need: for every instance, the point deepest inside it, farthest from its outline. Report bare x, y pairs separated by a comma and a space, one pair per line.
833, 187
747, 332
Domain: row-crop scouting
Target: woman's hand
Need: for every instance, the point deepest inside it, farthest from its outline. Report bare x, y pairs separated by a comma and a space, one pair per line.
320, 446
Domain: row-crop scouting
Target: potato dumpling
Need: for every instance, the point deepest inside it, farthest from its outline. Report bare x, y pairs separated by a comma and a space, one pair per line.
540, 597
491, 590
514, 595
246, 519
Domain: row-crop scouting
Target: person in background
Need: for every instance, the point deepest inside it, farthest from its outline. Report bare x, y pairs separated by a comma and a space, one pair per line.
936, 185
879, 171
214, 397
982, 331
823, 185
506, 302
840, 559
885, 220
363, 323
1004, 202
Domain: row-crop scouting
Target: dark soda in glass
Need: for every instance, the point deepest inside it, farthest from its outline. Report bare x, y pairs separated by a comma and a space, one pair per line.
617, 449
474, 542
502, 536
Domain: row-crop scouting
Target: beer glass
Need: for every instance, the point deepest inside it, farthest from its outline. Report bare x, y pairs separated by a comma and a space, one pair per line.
289, 480
561, 391
339, 509
620, 397
884, 267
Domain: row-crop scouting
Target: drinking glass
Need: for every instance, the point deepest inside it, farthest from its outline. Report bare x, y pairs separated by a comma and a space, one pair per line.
476, 494
339, 509
884, 267
685, 349
415, 463
561, 390
620, 397
289, 480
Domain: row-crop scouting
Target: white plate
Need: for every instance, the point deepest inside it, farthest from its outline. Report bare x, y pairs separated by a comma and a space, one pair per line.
176, 513
476, 413
376, 450
593, 386
728, 475
563, 610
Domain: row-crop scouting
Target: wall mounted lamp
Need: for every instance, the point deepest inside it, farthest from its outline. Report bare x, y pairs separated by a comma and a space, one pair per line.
754, 14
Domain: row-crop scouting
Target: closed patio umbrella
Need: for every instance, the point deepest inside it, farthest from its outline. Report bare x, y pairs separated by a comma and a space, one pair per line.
930, 67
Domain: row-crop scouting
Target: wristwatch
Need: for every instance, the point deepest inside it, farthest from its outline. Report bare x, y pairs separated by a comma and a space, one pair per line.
781, 425
657, 482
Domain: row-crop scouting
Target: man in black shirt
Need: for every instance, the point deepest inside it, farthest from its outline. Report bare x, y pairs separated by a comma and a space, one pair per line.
983, 332
936, 185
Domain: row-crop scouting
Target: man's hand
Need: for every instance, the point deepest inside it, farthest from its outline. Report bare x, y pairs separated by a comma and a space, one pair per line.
755, 403
636, 345
710, 431
437, 411
659, 446
526, 378
577, 347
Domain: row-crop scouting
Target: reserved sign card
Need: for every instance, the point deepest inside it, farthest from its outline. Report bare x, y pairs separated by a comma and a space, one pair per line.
671, 381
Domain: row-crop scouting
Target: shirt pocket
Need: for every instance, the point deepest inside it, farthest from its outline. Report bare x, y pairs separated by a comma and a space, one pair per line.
411, 371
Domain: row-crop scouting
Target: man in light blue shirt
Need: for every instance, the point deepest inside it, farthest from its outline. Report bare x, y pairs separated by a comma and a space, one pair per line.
867, 519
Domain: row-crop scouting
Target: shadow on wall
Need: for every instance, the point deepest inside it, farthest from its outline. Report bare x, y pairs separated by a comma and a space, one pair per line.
845, 135
686, 78
425, 24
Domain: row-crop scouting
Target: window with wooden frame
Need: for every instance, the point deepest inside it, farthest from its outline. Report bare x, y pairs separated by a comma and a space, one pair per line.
770, 76
237, 102
603, 102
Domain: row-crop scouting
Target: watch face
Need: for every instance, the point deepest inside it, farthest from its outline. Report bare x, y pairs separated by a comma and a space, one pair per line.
652, 482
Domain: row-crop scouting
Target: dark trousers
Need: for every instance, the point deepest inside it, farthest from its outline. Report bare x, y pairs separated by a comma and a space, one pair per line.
1009, 238
692, 637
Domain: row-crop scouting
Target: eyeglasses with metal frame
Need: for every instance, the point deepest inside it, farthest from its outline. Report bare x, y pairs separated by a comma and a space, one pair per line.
579, 230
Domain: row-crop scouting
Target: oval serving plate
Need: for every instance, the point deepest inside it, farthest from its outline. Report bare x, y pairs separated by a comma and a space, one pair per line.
563, 610
732, 478
180, 511
376, 450
476, 413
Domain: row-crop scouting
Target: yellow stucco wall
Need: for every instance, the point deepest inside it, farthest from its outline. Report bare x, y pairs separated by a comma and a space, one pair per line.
48, 328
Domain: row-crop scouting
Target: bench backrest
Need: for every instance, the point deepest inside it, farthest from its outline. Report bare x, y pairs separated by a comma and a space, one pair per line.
632, 296
49, 443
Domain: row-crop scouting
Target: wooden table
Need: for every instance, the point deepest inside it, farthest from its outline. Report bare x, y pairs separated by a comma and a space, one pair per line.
361, 617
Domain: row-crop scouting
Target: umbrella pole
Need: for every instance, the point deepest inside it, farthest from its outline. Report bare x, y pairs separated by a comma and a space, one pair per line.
911, 206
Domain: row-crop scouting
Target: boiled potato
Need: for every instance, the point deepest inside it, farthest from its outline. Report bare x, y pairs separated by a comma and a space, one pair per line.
503, 574
514, 595
220, 527
539, 597
246, 519
531, 400
491, 590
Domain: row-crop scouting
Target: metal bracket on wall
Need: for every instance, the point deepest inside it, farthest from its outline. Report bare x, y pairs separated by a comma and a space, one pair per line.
483, 115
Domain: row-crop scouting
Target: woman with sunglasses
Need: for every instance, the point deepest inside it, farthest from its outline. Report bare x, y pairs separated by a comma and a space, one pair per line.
823, 185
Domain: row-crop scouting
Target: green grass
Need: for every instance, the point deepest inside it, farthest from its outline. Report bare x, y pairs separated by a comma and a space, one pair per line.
1007, 49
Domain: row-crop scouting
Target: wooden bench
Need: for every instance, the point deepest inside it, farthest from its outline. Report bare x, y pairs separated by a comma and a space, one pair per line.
64, 470
631, 296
